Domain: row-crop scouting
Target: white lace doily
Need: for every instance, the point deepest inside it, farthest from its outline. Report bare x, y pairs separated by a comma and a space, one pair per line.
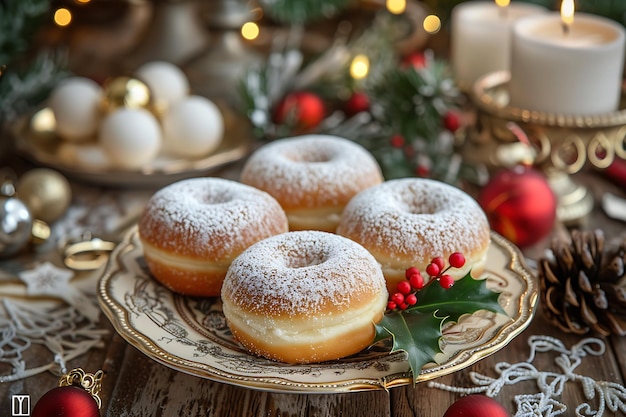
44, 304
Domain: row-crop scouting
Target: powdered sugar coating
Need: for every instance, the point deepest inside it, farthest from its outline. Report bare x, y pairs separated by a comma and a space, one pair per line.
303, 273
416, 219
312, 171
212, 219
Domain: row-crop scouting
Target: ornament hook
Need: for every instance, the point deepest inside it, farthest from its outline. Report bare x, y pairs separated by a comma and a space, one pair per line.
92, 383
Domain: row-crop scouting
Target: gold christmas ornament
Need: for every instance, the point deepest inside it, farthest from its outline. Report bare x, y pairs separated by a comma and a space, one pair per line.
45, 192
125, 92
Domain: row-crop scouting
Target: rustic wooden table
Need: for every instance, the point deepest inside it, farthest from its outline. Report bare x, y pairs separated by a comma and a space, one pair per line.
136, 386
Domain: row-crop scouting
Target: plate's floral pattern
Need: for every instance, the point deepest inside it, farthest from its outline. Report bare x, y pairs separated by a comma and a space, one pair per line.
191, 335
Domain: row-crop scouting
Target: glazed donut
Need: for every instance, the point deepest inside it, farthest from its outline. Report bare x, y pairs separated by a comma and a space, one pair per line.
407, 222
192, 230
313, 177
304, 297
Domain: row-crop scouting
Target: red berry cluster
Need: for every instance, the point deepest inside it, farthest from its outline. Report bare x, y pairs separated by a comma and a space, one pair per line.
436, 269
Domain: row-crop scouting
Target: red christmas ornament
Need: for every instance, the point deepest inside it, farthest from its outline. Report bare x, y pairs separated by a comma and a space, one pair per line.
357, 103
397, 141
520, 205
476, 405
67, 401
416, 60
452, 120
301, 110
76, 396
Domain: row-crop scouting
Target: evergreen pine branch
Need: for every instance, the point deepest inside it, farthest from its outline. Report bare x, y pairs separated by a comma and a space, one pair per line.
21, 91
302, 11
18, 22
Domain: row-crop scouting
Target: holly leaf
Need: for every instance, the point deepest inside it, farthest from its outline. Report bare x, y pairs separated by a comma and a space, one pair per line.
417, 330
415, 333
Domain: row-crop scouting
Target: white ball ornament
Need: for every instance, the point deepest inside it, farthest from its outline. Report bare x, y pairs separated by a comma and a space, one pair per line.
75, 103
130, 137
193, 127
167, 82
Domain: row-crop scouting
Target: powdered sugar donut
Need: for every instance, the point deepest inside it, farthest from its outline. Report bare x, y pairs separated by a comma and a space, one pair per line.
313, 177
305, 296
193, 229
407, 222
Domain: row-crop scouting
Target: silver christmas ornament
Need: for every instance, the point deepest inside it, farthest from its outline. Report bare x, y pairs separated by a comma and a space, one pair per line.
16, 225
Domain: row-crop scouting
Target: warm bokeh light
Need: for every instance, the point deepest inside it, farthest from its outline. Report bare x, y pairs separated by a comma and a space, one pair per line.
567, 12
62, 17
359, 67
250, 30
396, 6
503, 3
432, 24
82, 1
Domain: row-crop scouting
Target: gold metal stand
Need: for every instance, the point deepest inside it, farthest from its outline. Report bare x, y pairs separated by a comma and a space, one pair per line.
561, 144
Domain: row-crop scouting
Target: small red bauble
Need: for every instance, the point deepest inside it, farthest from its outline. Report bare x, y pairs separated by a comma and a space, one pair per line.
397, 141
416, 60
520, 205
357, 103
452, 121
302, 110
68, 401
476, 405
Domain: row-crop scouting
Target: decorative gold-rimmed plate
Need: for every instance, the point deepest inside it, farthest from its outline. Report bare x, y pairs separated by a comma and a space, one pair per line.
46, 148
190, 334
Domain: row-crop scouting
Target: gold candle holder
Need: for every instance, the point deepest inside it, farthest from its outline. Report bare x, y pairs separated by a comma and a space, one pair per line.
561, 144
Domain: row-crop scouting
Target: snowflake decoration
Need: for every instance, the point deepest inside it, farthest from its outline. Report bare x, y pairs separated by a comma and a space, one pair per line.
49, 280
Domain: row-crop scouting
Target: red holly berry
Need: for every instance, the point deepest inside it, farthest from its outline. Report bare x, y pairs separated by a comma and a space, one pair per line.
410, 271
403, 306
404, 287
416, 280
433, 269
391, 305
301, 110
457, 260
452, 121
446, 281
440, 262
411, 299
398, 298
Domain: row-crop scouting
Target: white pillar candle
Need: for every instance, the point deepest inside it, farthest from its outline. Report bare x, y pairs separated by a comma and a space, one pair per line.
480, 38
574, 71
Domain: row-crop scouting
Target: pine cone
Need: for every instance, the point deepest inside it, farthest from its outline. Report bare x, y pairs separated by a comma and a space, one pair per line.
583, 286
